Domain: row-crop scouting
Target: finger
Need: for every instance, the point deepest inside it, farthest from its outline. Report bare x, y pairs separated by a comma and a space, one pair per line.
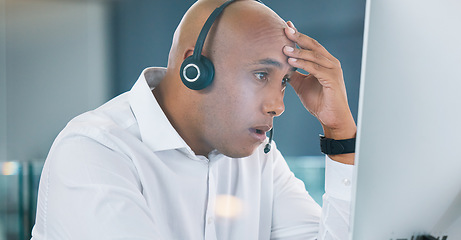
290, 24
308, 43
318, 71
308, 66
308, 55
297, 79
304, 41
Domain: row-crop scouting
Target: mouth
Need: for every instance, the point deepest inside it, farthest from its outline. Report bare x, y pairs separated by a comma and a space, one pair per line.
259, 132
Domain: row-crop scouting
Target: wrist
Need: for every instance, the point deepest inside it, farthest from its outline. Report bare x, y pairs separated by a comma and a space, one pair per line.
340, 133
336, 147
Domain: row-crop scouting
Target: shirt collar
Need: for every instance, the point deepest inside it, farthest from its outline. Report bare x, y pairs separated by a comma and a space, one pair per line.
156, 131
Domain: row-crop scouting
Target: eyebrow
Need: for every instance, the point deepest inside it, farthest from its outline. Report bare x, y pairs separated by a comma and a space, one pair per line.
272, 62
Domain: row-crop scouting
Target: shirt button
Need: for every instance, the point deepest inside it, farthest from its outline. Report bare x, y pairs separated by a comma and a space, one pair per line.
346, 182
210, 220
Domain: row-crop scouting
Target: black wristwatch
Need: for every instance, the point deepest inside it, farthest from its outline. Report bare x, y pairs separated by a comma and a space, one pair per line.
334, 147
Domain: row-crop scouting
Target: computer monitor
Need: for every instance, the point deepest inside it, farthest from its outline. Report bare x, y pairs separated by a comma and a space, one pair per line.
408, 177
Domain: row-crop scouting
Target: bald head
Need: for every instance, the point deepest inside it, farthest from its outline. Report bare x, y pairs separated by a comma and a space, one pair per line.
243, 21
245, 45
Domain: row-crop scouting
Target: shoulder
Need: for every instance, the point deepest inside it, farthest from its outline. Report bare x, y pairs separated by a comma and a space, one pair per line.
94, 144
104, 125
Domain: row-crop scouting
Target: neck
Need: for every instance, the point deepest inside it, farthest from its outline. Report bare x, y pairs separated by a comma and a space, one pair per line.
179, 105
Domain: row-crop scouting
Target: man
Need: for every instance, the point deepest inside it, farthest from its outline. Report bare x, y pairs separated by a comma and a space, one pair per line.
167, 162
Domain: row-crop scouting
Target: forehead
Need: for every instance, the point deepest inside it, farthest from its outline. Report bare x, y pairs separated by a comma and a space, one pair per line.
264, 46
250, 32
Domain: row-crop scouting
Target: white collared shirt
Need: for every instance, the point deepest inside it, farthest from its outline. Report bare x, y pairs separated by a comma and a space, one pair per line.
123, 172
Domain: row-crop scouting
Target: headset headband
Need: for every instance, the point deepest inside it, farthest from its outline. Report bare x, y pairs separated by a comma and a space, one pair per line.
197, 71
206, 28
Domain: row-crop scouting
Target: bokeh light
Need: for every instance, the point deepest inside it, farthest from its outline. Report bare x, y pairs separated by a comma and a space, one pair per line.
228, 206
10, 168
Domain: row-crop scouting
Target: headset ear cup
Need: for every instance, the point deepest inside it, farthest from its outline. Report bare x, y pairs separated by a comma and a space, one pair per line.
195, 74
208, 65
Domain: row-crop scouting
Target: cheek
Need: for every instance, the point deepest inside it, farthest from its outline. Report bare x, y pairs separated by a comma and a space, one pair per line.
234, 94
237, 86
240, 99
232, 107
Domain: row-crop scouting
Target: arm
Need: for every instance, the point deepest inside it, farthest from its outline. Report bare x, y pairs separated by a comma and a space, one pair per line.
322, 91
297, 216
323, 94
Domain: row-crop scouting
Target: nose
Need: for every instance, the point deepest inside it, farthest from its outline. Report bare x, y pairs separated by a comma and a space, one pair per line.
273, 104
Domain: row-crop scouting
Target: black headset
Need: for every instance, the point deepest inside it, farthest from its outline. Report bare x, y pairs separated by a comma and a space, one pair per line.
197, 71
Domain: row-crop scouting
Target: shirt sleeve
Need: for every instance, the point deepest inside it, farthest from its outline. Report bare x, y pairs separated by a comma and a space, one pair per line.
297, 216
336, 208
89, 191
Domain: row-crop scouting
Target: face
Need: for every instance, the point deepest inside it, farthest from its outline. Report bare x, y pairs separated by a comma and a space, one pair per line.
251, 73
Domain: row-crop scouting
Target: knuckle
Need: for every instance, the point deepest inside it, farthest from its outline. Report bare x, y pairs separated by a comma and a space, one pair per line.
315, 43
317, 55
336, 61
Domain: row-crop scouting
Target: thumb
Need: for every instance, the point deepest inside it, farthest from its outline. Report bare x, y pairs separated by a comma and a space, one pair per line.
302, 83
296, 80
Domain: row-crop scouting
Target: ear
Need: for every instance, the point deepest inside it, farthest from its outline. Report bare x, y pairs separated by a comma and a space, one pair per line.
188, 53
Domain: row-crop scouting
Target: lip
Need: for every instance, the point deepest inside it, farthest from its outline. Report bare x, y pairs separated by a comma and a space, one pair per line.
259, 132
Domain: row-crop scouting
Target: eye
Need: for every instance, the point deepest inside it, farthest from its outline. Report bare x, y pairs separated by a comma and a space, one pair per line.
261, 76
285, 81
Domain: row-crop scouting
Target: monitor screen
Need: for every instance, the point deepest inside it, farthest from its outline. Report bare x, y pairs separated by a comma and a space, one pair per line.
408, 178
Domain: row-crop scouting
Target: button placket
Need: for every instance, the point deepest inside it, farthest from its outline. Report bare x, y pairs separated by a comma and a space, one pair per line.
346, 182
210, 227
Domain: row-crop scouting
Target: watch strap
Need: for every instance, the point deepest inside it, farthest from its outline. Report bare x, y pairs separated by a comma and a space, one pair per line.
334, 147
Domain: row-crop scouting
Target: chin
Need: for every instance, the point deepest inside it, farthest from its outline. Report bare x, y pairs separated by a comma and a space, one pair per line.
238, 153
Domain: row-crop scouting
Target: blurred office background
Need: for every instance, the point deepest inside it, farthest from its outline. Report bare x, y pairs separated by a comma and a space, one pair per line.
59, 58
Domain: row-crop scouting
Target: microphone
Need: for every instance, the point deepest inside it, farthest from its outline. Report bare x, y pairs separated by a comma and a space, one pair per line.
268, 145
